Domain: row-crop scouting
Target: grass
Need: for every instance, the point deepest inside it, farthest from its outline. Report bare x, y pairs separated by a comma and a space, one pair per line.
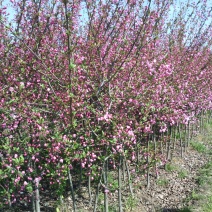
170, 167
205, 175
203, 195
112, 182
186, 209
182, 174
208, 206
196, 196
201, 198
199, 147
130, 203
162, 182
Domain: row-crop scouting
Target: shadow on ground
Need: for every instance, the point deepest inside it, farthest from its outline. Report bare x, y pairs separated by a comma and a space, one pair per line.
175, 210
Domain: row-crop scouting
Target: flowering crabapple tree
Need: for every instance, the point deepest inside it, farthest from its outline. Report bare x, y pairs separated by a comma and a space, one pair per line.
86, 86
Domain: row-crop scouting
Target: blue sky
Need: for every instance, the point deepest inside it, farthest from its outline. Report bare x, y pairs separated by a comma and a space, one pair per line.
10, 10
173, 11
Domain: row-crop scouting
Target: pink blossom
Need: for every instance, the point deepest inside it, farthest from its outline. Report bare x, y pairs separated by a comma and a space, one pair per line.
11, 89
17, 180
83, 165
106, 190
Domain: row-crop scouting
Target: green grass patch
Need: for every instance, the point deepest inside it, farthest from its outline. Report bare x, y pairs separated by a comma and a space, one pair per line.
204, 198
131, 203
162, 182
205, 175
196, 196
186, 209
208, 206
182, 174
170, 167
199, 147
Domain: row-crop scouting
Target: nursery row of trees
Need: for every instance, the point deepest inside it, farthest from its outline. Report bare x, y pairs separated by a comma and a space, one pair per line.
87, 86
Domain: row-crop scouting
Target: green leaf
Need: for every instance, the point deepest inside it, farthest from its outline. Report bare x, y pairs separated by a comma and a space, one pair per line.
16, 160
21, 159
71, 95
29, 188
72, 66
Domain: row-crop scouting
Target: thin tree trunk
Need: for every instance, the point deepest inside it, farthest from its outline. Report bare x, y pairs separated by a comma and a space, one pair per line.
186, 138
175, 136
181, 142
161, 143
80, 178
168, 156
119, 184
97, 194
33, 202
137, 153
192, 131
106, 186
148, 175
189, 133
89, 189
123, 170
129, 178
37, 196
155, 147
72, 190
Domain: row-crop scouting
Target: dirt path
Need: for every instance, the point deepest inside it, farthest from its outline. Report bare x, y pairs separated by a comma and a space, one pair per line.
184, 185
